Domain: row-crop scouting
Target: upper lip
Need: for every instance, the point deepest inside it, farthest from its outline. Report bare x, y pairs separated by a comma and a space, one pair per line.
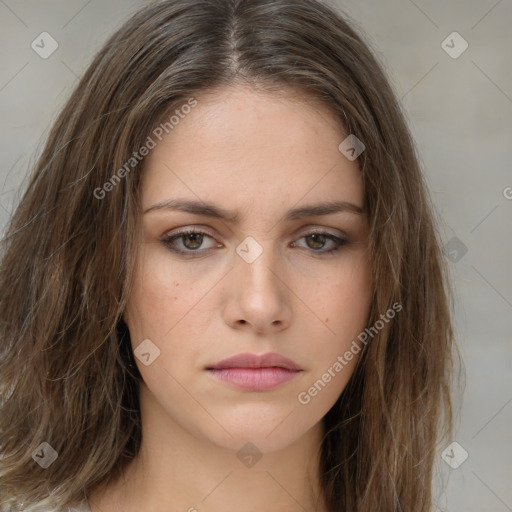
247, 360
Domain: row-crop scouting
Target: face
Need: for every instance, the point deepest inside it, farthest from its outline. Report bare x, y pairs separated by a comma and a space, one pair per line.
239, 261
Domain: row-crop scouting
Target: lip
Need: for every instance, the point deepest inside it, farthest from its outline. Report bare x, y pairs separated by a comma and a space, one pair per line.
255, 372
248, 360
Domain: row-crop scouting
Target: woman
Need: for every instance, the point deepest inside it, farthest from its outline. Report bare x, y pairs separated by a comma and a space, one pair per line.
223, 286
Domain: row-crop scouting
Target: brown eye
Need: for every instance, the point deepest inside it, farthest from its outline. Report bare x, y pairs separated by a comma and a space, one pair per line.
318, 240
189, 242
192, 240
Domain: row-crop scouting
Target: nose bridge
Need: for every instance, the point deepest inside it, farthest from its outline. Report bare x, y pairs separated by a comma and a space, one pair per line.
257, 295
257, 265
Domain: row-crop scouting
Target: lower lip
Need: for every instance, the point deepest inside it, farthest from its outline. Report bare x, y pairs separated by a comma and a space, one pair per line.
255, 379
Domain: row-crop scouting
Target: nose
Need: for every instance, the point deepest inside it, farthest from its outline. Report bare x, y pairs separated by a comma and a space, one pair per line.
258, 297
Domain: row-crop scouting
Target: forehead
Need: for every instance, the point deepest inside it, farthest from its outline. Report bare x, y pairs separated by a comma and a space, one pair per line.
238, 146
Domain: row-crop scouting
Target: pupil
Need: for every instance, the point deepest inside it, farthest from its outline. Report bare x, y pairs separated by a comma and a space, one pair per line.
193, 236
315, 236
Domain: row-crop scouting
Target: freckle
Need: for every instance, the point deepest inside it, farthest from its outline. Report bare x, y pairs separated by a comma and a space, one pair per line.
175, 298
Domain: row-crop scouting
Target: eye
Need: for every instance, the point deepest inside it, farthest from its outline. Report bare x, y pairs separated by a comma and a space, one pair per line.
191, 241
316, 241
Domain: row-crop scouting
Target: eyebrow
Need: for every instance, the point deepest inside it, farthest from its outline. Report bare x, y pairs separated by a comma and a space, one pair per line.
211, 210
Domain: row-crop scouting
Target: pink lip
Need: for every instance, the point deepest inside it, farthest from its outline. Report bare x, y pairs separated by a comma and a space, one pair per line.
255, 373
256, 361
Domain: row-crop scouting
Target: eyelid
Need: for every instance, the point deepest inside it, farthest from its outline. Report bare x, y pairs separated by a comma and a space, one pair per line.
190, 228
307, 230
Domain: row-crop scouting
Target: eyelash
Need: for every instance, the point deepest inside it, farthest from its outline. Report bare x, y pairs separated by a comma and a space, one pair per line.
168, 241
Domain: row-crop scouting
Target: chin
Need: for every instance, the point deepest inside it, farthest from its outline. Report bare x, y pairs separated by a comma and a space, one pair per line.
268, 431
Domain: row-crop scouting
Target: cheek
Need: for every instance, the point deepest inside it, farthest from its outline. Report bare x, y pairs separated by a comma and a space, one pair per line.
343, 299
344, 306
162, 295
159, 302
148, 303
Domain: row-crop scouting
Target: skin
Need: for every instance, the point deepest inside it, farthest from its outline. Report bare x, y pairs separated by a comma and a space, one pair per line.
259, 155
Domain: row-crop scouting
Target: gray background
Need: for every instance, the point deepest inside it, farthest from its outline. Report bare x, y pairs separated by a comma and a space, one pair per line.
460, 112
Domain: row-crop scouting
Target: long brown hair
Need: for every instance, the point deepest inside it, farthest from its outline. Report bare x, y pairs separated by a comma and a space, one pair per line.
67, 374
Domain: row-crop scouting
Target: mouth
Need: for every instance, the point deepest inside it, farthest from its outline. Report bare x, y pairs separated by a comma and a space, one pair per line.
255, 379
255, 372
